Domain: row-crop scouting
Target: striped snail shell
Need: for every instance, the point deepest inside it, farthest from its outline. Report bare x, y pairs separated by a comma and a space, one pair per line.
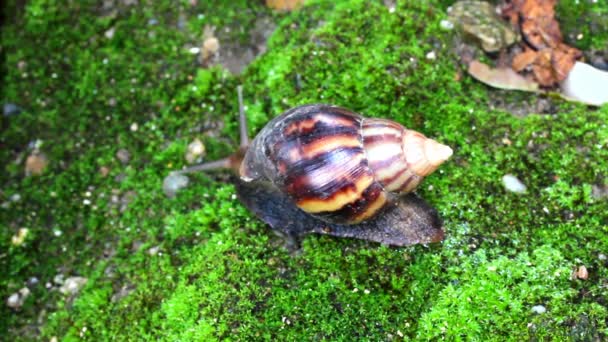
337, 165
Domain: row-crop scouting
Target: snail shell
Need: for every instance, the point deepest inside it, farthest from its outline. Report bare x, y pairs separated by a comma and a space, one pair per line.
337, 165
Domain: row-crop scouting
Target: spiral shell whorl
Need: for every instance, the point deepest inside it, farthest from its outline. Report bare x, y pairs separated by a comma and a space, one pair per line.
400, 157
315, 155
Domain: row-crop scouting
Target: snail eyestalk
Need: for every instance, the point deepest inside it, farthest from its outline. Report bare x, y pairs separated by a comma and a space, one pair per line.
233, 161
213, 165
242, 119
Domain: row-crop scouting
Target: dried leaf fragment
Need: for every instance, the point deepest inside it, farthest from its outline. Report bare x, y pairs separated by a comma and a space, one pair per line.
550, 59
524, 59
503, 78
284, 5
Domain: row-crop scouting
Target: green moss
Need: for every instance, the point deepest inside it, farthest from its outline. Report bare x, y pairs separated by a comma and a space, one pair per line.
585, 22
200, 266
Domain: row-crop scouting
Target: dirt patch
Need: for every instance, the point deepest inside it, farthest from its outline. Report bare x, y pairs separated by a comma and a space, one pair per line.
234, 55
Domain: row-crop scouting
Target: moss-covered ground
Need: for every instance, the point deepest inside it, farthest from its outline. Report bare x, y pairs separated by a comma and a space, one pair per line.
200, 266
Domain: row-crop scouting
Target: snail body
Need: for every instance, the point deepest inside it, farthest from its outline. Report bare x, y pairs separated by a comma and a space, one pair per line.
338, 165
324, 169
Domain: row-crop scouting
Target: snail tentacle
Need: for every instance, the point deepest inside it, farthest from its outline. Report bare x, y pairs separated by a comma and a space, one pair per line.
235, 160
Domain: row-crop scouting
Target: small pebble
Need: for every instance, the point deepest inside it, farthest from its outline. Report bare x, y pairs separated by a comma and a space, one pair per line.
446, 24
173, 183
72, 285
539, 309
431, 55
154, 250
19, 238
134, 127
33, 281
10, 109
513, 184
599, 191
123, 155
16, 300
582, 273
35, 164
195, 150
104, 171
110, 33
58, 279
211, 45
599, 62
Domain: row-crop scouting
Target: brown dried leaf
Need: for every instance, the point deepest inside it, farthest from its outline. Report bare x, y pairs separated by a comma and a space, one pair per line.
537, 8
563, 60
542, 68
284, 5
543, 74
503, 78
553, 59
525, 58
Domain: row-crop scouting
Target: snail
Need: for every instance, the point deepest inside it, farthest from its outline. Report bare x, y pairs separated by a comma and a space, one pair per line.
323, 169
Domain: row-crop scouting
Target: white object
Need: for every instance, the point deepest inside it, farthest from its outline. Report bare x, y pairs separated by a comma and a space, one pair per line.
586, 84
539, 309
513, 184
72, 285
17, 299
173, 183
446, 24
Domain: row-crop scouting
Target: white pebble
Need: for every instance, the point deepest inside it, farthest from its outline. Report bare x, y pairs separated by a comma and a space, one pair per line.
154, 250
446, 24
173, 183
17, 299
72, 285
513, 184
110, 33
194, 50
431, 55
19, 238
539, 309
196, 149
